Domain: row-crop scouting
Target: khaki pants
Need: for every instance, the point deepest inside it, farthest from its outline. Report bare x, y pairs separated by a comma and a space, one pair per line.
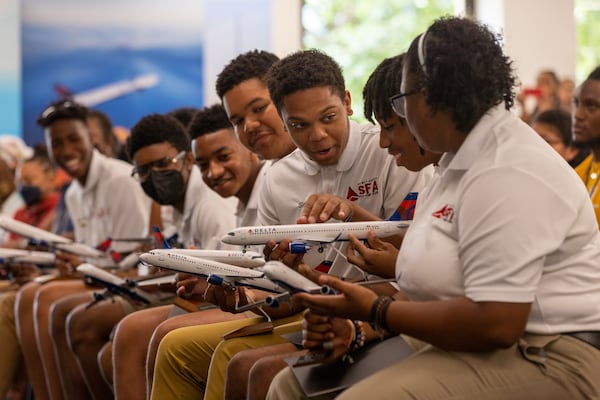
538, 367
10, 350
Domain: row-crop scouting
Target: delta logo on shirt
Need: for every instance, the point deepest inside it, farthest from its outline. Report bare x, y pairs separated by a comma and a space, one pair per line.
445, 213
363, 189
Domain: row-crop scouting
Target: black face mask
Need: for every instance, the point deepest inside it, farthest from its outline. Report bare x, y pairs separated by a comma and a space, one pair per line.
31, 194
164, 187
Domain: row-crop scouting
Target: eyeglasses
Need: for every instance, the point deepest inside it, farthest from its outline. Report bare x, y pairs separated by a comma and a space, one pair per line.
141, 172
398, 102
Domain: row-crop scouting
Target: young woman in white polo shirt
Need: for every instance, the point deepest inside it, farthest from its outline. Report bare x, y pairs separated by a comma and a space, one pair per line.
501, 265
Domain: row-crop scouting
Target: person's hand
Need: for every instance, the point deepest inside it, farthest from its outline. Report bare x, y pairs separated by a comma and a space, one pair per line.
329, 334
274, 251
322, 207
228, 297
67, 263
377, 258
352, 302
190, 287
22, 273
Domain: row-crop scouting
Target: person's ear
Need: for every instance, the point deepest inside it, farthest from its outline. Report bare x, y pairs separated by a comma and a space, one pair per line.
348, 103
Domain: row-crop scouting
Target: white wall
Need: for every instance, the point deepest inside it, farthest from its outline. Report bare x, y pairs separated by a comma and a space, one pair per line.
538, 34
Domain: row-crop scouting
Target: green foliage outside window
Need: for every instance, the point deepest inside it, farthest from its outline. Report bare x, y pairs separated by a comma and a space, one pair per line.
359, 34
587, 21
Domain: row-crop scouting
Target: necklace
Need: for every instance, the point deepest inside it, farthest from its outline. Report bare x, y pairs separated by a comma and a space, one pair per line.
592, 174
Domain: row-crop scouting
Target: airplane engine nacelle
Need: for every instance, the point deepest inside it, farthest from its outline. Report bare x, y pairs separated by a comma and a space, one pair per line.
298, 248
327, 290
215, 280
272, 301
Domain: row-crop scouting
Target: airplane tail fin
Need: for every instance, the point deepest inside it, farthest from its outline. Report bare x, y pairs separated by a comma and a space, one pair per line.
161, 242
406, 209
105, 245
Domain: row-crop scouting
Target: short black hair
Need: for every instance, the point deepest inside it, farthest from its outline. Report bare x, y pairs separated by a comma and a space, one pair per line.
305, 69
252, 64
595, 74
209, 120
465, 71
183, 115
383, 83
63, 109
561, 120
157, 128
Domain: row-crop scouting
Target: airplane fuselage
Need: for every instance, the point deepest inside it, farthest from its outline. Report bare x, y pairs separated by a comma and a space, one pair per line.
248, 259
166, 258
318, 233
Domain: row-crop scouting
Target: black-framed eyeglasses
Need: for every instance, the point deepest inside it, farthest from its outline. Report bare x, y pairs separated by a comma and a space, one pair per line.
398, 102
141, 172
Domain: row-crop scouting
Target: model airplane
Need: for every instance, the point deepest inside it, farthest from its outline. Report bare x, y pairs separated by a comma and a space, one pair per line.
39, 236
26, 256
109, 91
290, 281
130, 288
171, 259
303, 236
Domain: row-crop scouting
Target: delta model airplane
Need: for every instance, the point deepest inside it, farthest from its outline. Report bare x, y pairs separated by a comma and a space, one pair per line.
248, 259
290, 281
304, 236
131, 288
171, 259
104, 93
9, 256
40, 236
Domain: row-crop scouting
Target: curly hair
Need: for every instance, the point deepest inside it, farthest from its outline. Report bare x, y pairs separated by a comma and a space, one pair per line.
383, 83
252, 64
157, 128
305, 69
595, 74
209, 120
63, 109
464, 70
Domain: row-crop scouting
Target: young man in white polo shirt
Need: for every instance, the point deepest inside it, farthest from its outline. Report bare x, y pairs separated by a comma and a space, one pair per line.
335, 156
103, 201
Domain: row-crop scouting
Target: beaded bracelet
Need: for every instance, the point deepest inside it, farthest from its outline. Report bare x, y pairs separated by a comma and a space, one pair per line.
377, 318
359, 337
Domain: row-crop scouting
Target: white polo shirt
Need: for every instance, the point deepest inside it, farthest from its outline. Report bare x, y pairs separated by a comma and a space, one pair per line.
206, 215
111, 204
365, 174
247, 214
507, 220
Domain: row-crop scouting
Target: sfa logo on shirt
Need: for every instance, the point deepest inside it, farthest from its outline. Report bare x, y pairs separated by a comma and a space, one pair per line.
365, 188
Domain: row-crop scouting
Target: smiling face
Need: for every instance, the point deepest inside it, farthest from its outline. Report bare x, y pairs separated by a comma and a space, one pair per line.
317, 120
228, 167
69, 143
395, 136
255, 120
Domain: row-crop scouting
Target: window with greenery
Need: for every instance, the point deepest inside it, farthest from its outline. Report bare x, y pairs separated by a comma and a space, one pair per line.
587, 21
359, 34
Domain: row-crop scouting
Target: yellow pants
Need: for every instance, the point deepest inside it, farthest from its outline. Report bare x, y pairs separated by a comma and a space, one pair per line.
194, 359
